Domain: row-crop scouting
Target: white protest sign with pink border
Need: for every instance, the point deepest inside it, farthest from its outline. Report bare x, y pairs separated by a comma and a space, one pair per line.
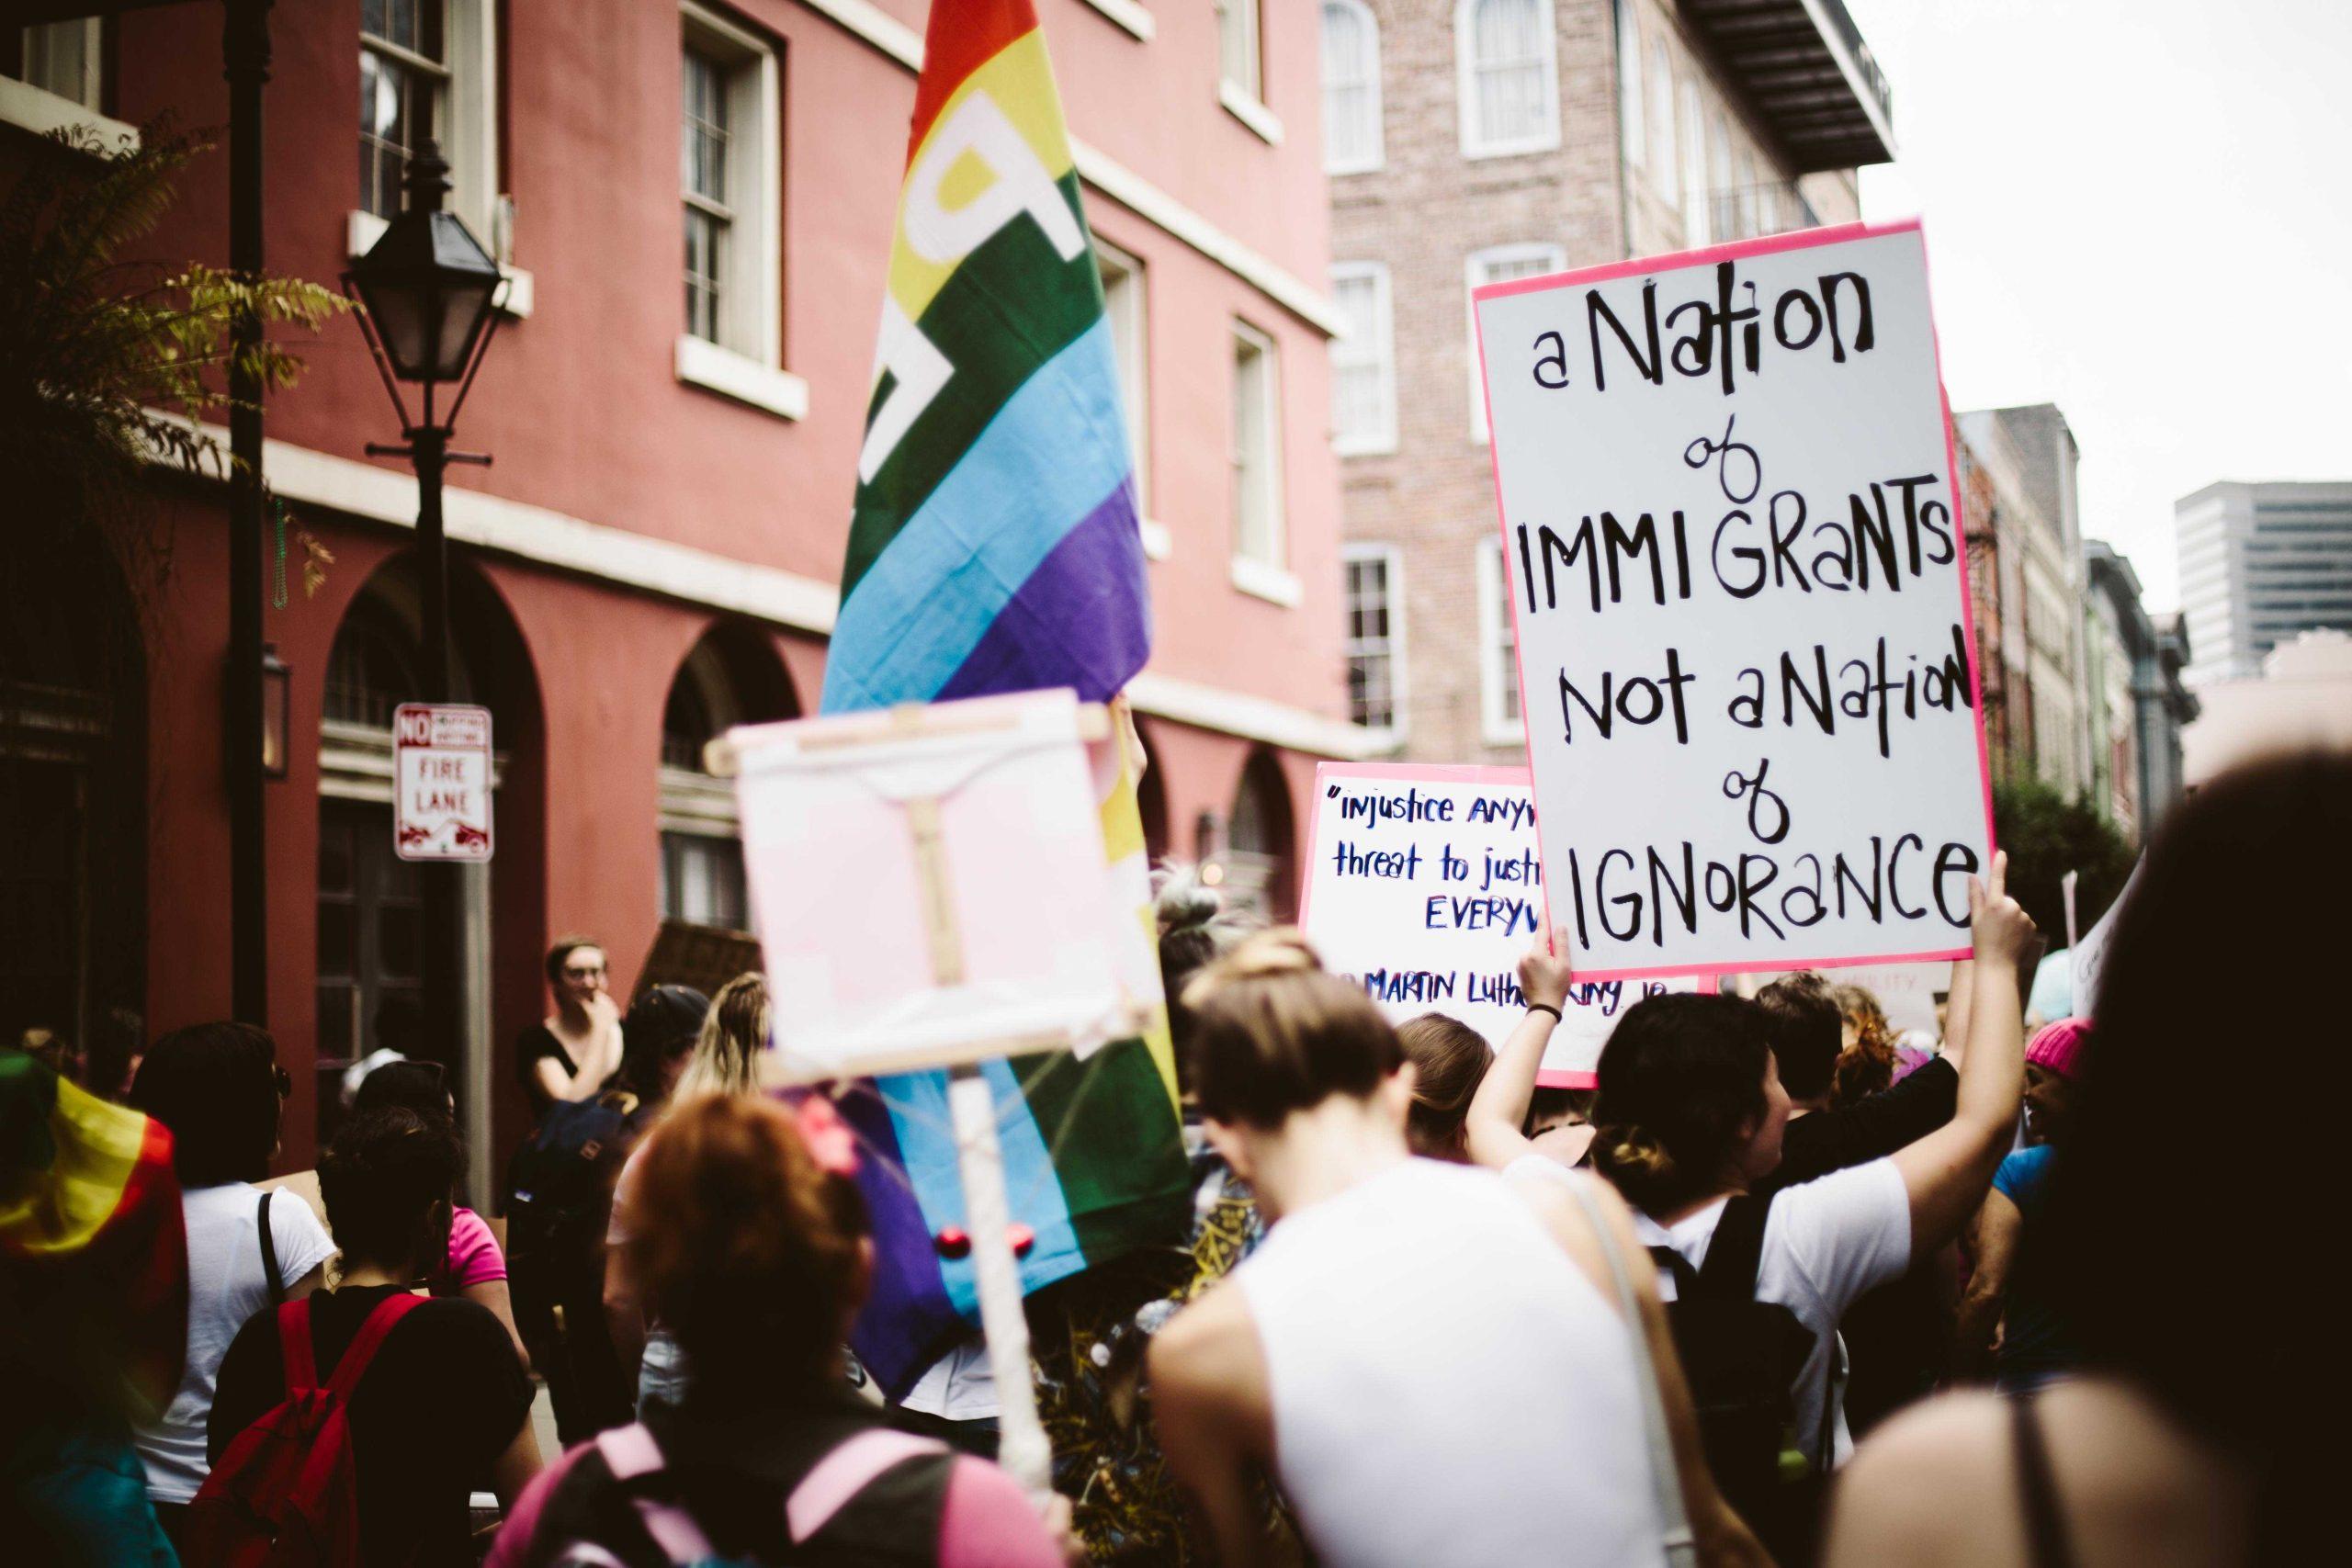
1423, 886
1736, 567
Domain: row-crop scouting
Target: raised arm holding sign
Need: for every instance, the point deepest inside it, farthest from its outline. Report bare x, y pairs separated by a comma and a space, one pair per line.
1725, 484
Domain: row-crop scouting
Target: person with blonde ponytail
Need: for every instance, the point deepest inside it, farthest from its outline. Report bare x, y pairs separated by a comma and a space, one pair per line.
1689, 1117
1437, 1366
726, 1061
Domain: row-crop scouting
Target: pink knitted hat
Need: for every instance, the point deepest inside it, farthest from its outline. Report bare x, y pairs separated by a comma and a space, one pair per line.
2059, 1046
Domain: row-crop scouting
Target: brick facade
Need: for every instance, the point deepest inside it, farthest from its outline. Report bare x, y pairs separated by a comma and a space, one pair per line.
1423, 213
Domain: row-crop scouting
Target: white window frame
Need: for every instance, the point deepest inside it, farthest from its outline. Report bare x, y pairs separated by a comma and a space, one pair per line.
747, 363
1692, 142
35, 38
1129, 15
1381, 351
1666, 168
1496, 726
1465, 86
1129, 314
1633, 125
467, 131
1263, 573
1244, 96
1722, 179
1553, 257
37, 109
1392, 560
1378, 155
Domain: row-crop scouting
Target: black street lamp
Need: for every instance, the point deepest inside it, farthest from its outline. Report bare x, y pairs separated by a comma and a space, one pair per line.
428, 287
429, 290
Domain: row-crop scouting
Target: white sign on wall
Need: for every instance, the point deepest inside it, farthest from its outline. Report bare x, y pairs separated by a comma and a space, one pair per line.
1424, 886
1726, 490
441, 806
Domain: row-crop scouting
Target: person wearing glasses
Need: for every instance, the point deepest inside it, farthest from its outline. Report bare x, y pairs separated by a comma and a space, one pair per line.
221, 1091
570, 1054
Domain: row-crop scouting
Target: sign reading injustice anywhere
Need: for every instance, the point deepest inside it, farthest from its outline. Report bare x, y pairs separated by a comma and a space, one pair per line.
441, 782
1736, 564
1425, 888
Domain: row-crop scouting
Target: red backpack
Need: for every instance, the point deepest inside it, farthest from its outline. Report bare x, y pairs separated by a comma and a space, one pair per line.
286, 1492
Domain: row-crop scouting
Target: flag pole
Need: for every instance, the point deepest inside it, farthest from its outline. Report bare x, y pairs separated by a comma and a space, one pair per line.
1023, 1448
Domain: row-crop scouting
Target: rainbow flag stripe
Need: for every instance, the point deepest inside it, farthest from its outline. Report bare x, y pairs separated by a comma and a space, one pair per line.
995, 548
91, 1230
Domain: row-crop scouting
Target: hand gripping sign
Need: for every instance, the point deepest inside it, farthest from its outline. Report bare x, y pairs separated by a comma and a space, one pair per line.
1736, 569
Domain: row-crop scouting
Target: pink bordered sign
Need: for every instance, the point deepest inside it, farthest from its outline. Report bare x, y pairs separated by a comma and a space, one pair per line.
1423, 885
441, 782
1737, 576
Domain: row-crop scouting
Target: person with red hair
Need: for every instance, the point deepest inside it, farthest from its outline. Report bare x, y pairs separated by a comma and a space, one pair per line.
753, 1248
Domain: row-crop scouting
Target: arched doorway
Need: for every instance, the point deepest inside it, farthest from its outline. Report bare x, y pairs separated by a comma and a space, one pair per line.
374, 957
731, 676
1259, 863
72, 802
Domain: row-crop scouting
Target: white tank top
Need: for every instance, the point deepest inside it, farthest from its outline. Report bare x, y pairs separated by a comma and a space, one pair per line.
1448, 1386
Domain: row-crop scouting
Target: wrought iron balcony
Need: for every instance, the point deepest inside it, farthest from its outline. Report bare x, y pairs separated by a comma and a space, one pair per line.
1805, 68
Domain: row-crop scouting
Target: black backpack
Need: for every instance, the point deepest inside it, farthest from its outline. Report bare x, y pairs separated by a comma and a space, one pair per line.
1742, 1358
560, 1183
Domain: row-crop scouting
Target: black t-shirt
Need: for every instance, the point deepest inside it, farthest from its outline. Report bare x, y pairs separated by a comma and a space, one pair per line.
444, 1396
532, 1046
1823, 1141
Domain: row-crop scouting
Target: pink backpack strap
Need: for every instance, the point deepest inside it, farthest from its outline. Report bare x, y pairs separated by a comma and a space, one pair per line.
363, 1344
844, 1473
631, 1453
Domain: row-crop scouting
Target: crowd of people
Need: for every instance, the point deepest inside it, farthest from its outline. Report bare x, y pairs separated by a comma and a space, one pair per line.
1781, 1289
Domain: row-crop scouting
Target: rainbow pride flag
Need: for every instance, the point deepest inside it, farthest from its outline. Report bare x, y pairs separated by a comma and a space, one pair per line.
92, 1244
994, 547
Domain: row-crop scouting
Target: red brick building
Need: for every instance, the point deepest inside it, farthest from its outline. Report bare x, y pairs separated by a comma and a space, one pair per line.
1474, 140
654, 554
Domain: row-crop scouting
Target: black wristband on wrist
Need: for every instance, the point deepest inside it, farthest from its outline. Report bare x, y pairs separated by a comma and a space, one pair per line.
1544, 1007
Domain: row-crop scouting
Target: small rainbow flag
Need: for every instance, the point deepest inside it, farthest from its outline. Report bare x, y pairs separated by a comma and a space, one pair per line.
92, 1238
995, 548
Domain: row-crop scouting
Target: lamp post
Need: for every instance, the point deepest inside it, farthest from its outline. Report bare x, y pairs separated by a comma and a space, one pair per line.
427, 286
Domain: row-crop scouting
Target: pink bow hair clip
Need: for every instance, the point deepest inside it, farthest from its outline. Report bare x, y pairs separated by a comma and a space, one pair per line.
830, 1143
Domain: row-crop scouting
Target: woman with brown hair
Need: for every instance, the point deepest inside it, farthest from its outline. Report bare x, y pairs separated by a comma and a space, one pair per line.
755, 1245
571, 1053
1438, 1367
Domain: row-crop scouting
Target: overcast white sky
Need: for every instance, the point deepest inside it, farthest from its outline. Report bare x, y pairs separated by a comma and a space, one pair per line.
2140, 210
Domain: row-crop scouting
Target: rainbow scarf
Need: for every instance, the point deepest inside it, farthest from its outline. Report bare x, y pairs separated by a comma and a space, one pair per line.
92, 1237
995, 548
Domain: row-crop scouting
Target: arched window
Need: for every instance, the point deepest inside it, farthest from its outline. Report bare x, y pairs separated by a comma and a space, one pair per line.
731, 676
1259, 873
1509, 78
1694, 167
1631, 123
1352, 139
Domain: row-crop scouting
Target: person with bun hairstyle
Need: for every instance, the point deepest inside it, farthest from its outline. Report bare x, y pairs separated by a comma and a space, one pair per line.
1690, 1114
754, 1241
571, 1053
2196, 1432
1437, 1365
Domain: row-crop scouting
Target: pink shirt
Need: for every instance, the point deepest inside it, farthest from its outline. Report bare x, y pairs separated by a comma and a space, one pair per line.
474, 1258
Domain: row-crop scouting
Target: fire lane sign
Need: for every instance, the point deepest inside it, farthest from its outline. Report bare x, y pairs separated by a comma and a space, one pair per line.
441, 782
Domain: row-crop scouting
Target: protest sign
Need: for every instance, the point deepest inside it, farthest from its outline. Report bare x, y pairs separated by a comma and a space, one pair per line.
441, 782
2087, 955
1906, 993
971, 835
1726, 487
1425, 888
